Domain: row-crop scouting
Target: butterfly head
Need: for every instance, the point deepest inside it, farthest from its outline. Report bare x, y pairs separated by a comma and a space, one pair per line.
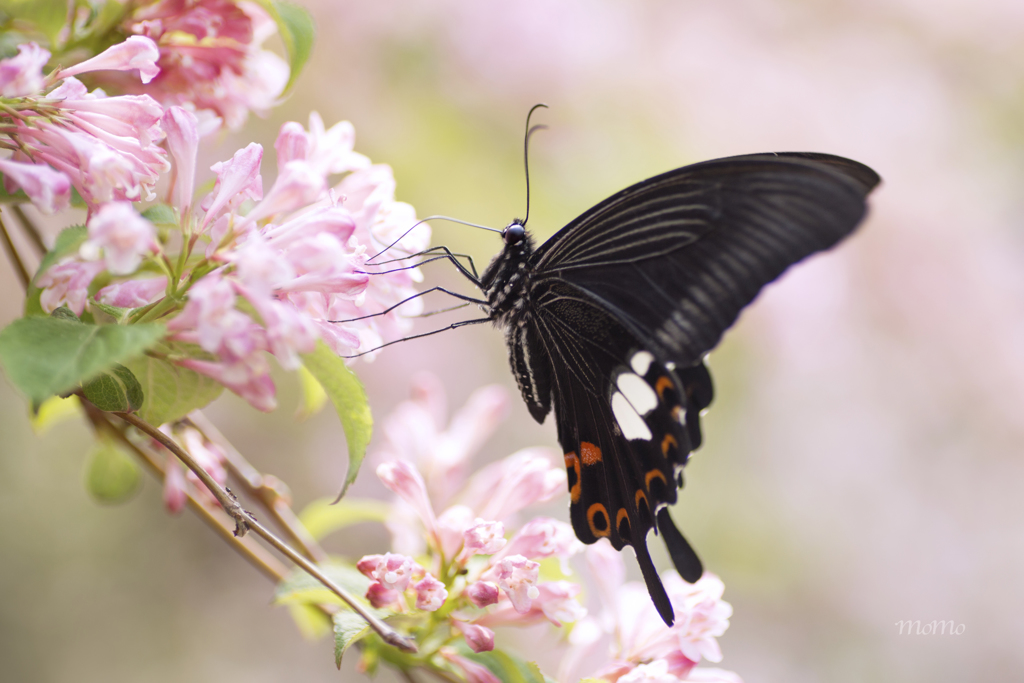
514, 233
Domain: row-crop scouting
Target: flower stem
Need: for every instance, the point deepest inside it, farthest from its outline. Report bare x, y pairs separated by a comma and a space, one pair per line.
245, 522
30, 228
12, 254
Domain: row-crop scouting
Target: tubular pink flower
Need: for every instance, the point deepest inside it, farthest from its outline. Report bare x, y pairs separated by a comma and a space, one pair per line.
475, 673
555, 601
653, 672
122, 234
392, 570
297, 186
49, 190
136, 52
379, 596
479, 638
402, 478
517, 576
67, 284
22, 74
322, 265
483, 593
208, 456
237, 179
544, 537
485, 538
175, 493
132, 293
330, 220
292, 144
451, 527
288, 332
182, 129
248, 378
430, 593
507, 486
327, 151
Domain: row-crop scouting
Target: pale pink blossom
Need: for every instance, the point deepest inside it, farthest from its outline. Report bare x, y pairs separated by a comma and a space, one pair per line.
238, 179
288, 333
379, 596
297, 186
175, 491
430, 593
123, 235
392, 570
209, 457
653, 672
475, 673
182, 129
451, 529
328, 151
135, 52
402, 478
554, 601
485, 538
132, 293
49, 189
22, 74
503, 488
479, 638
248, 377
483, 593
66, 284
517, 576
544, 537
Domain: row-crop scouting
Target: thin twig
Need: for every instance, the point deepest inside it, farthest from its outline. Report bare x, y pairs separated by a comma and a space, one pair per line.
266, 490
266, 563
12, 254
244, 522
29, 226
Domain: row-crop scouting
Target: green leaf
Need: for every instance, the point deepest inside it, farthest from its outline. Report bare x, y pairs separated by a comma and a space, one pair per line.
301, 588
297, 32
46, 16
115, 313
313, 395
160, 214
54, 410
349, 627
115, 391
171, 391
508, 668
111, 476
65, 313
322, 518
47, 356
67, 243
349, 399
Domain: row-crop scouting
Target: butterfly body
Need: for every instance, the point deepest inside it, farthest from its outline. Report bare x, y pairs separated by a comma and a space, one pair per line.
608, 322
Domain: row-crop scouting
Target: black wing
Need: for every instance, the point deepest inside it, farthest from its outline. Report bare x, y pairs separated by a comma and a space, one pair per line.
676, 257
626, 424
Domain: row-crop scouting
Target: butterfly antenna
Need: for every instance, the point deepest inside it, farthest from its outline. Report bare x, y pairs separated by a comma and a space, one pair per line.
431, 218
526, 155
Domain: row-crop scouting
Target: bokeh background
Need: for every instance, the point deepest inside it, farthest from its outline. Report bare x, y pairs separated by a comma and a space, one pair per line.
863, 458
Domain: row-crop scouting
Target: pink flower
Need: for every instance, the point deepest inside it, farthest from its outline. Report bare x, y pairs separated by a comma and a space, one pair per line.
654, 672
379, 596
517, 576
132, 293
328, 151
507, 486
544, 537
66, 284
402, 478
122, 234
479, 638
483, 593
452, 525
182, 129
430, 593
48, 189
249, 378
22, 74
484, 538
393, 571
136, 52
555, 601
475, 673
238, 179
175, 491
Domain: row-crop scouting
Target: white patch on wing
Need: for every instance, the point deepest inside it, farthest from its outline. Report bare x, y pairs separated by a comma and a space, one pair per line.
638, 391
630, 422
641, 362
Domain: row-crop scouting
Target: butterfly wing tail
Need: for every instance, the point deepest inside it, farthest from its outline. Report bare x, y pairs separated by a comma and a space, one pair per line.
654, 586
683, 557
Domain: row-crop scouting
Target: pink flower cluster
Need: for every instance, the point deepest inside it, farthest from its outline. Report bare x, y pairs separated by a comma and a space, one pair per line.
210, 56
106, 147
210, 457
493, 580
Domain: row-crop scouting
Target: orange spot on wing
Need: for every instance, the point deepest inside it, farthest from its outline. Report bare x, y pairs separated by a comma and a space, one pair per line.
640, 495
572, 464
621, 515
661, 385
654, 474
598, 511
590, 454
668, 442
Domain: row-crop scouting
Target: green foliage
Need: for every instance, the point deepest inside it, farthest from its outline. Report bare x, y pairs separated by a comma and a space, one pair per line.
298, 33
114, 391
160, 214
508, 668
301, 588
111, 476
313, 395
349, 627
46, 16
313, 623
349, 399
171, 391
47, 356
322, 518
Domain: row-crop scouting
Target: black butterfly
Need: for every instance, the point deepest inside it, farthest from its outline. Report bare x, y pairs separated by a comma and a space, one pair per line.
610, 320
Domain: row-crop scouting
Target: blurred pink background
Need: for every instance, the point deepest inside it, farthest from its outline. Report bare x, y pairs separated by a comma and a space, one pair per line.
863, 457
